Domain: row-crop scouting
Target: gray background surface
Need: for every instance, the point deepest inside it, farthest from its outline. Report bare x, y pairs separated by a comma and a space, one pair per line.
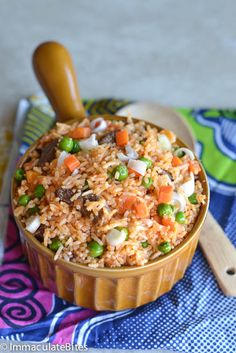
179, 53
173, 52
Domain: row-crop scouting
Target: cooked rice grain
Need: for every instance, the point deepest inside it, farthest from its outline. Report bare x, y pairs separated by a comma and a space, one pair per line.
89, 218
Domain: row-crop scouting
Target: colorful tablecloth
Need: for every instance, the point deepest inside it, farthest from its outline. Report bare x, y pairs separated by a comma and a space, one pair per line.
194, 317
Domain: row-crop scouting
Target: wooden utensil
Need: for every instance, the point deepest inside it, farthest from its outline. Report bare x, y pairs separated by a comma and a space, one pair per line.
55, 71
217, 248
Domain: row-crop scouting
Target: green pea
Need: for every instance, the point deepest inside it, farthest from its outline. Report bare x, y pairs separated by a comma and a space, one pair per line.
164, 247
39, 191
110, 174
164, 209
33, 210
180, 154
19, 174
76, 147
180, 217
193, 199
121, 172
66, 144
86, 186
147, 161
55, 244
147, 182
144, 244
24, 200
95, 249
125, 231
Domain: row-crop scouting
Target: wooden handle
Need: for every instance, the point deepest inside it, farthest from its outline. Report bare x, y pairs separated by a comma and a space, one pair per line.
220, 254
54, 69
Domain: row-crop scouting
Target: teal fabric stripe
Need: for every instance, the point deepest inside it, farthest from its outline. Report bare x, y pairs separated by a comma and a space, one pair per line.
37, 123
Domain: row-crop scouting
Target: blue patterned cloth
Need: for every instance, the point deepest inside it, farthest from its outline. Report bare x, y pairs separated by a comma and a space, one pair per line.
195, 316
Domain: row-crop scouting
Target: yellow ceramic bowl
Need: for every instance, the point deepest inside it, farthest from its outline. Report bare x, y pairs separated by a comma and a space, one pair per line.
106, 288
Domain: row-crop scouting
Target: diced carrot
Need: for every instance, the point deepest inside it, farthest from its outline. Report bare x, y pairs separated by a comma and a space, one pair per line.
71, 163
171, 136
165, 194
176, 161
194, 167
191, 167
141, 209
127, 203
167, 222
80, 132
122, 137
157, 218
32, 177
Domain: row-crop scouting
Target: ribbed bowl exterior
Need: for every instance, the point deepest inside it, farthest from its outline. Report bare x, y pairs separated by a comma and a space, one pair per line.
102, 292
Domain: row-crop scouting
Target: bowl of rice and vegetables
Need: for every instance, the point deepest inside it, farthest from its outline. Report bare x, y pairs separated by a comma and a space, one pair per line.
110, 210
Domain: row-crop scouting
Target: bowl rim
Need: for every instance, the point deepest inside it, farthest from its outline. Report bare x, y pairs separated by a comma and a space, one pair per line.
84, 268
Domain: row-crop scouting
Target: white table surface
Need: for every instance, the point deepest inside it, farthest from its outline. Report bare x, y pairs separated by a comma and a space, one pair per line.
179, 53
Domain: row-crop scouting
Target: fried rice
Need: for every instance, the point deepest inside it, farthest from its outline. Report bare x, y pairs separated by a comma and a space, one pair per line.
127, 195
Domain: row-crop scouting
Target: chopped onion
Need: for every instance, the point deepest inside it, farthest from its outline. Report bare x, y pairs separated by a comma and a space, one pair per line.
122, 157
165, 142
32, 224
115, 237
179, 200
164, 172
186, 151
138, 166
131, 153
75, 172
62, 157
189, 186
89, 143
98, 124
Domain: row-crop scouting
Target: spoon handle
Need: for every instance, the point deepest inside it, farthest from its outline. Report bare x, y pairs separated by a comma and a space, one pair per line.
54, 69
221, 255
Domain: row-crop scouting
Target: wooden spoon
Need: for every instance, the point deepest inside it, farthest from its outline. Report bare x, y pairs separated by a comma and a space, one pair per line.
218, 250
55, 71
